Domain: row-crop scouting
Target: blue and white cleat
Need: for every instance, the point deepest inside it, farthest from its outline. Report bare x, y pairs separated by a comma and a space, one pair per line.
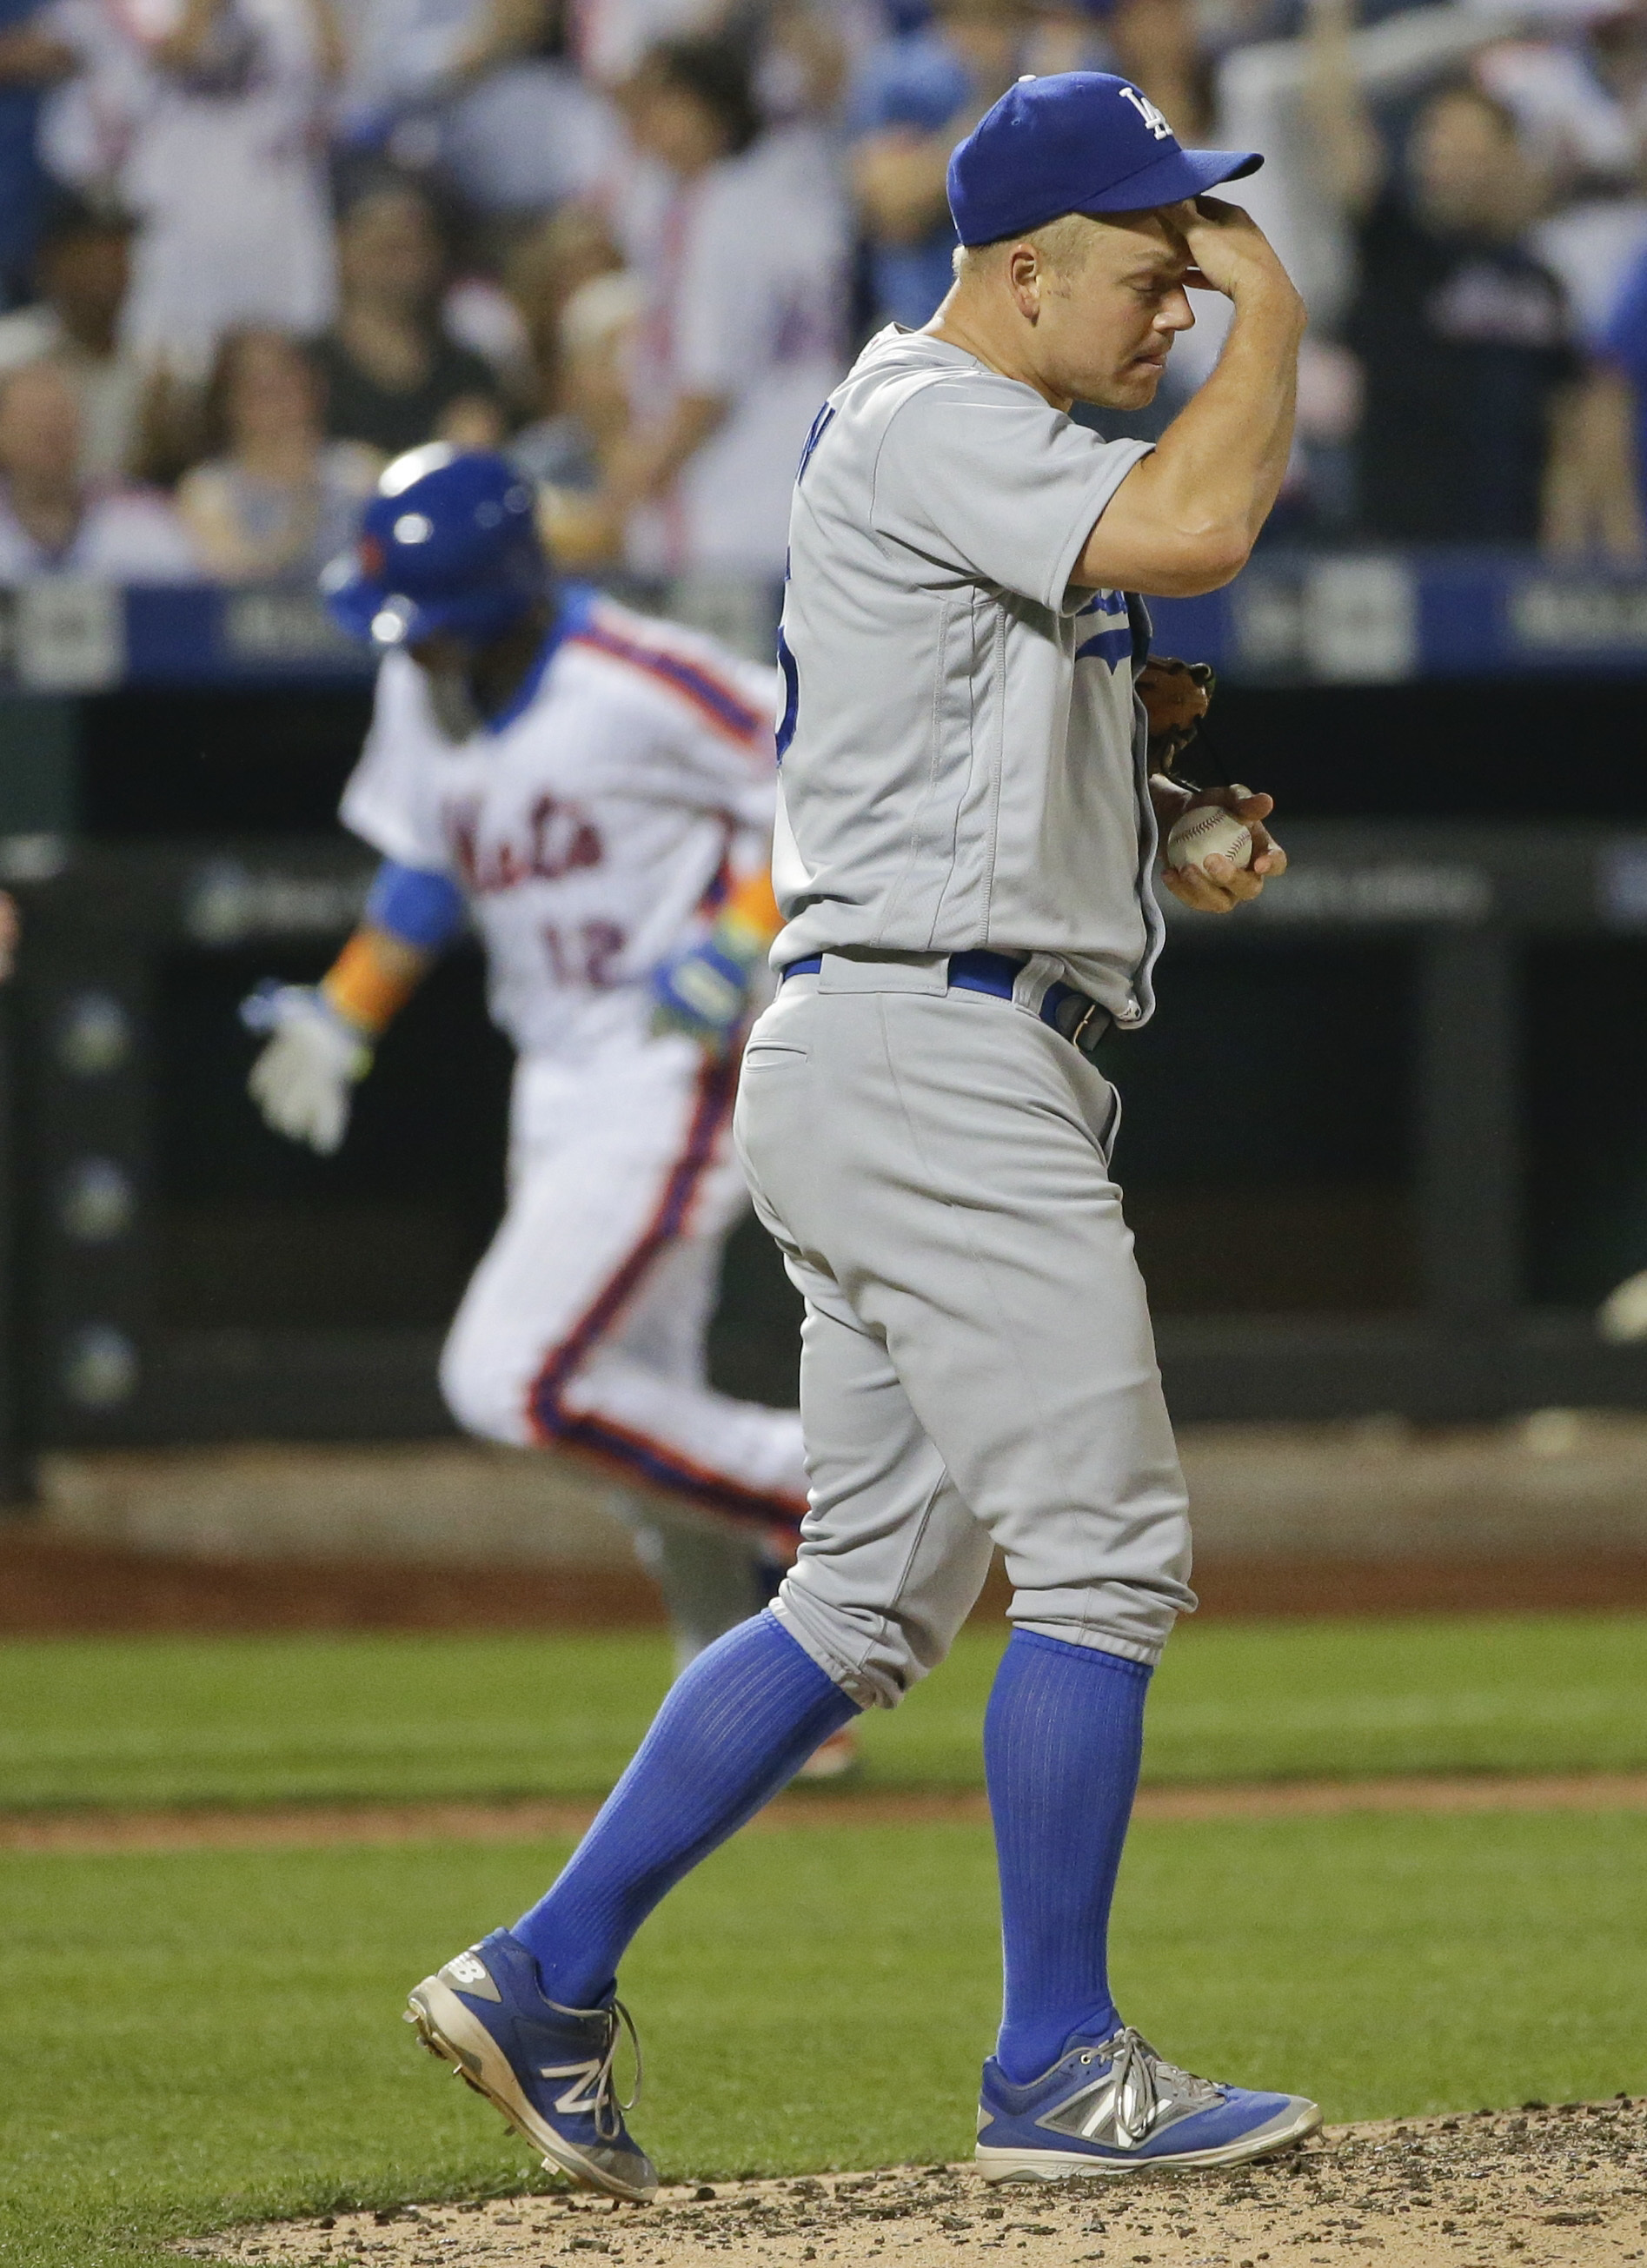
1116, 2107
546, 2068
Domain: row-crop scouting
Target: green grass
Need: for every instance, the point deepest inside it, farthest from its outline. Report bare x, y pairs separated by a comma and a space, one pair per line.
254, 1720
210, 2037
205, 2037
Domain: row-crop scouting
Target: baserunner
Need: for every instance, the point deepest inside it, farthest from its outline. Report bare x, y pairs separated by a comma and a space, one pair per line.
965, 858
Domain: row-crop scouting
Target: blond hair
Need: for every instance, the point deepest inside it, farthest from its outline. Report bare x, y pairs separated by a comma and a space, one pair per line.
1063, 245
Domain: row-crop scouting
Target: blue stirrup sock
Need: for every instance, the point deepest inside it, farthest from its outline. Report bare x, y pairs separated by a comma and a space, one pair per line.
1062, 1738
736, 1724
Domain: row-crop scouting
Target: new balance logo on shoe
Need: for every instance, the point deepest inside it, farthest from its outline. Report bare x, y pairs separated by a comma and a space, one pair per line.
486, 2014
583, 2096
1104, 2116
466, 1972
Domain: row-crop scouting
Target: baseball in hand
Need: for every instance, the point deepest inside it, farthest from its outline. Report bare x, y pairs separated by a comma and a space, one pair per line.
1204, 832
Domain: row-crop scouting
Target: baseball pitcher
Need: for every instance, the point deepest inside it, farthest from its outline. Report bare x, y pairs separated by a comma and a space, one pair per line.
965, 856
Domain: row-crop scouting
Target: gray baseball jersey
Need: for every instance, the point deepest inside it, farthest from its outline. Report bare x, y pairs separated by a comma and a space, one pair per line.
963, 769
962, 765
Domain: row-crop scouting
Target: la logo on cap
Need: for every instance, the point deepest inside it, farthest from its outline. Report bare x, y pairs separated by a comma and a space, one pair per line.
1064, 144
1154, 119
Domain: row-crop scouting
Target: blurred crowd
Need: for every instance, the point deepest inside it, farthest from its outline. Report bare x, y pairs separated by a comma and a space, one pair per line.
250, 249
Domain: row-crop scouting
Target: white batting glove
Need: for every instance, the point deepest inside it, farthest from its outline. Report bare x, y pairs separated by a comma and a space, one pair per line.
302, 1080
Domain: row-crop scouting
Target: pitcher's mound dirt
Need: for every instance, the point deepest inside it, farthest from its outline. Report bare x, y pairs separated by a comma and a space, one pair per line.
1562, 2188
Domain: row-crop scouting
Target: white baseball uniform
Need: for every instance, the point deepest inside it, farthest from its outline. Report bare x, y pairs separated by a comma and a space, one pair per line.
965, 773
588, 826
224, 166
746, 284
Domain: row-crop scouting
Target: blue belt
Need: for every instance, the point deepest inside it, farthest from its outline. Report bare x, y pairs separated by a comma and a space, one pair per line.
1071, 1014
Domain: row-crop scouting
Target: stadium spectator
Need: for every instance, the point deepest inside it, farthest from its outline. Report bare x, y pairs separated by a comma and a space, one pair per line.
32, 58
741, 241
208, 121
1616, 402
543, 273
804, 59
1305, 102
1585, 107
525, 133
1470, 377
1157, 44
482, 91
589, 412
53, 521
915, 97
83, 271
1576, 95
1581, 103
274, 499
611, 37
1067, 35
1463, 337
1592, 243
570, 453
393, 377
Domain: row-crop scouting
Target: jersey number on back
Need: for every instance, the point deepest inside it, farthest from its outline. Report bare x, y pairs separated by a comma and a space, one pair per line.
821, 425
588, 954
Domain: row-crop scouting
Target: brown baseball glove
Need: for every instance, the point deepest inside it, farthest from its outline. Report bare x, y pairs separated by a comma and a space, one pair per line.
1175, 695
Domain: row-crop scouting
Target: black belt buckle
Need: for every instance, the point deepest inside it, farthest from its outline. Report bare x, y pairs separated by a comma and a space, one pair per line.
1082, 1021
1090, 1015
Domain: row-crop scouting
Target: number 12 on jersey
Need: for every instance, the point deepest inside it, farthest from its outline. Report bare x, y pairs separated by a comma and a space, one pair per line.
587, 954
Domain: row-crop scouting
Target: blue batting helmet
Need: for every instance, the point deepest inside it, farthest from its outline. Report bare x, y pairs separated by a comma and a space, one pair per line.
449, 543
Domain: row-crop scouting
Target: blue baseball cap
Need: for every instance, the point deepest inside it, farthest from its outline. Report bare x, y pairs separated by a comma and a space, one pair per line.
449, 543
1077, 142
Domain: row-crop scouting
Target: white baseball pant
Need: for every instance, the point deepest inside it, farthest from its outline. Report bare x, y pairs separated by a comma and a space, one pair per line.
978, 1366
584, 1326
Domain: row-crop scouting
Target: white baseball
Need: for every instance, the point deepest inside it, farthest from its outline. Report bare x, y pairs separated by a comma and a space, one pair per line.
1206, 832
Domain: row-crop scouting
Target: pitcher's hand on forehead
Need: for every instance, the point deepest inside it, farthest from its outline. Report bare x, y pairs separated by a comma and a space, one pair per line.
1228, 251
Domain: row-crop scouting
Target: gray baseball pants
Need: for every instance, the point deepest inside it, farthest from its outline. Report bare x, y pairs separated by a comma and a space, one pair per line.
977, 1363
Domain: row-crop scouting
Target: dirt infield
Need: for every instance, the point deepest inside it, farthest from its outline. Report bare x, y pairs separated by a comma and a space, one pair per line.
52, 1585
1562, 2188
310, 1826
